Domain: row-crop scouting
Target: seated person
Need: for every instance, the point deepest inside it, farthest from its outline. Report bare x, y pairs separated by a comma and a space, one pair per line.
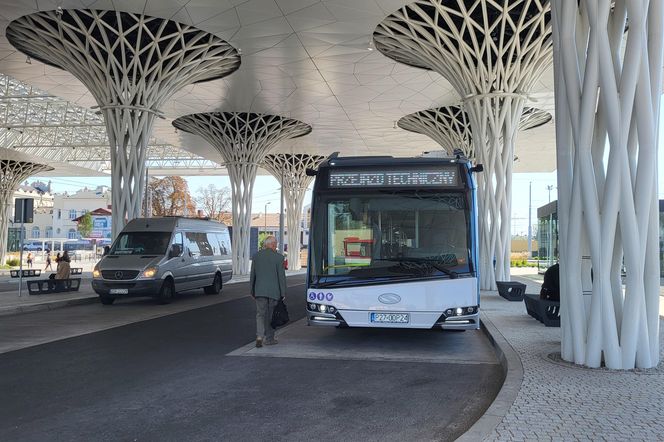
63, 270
551, 285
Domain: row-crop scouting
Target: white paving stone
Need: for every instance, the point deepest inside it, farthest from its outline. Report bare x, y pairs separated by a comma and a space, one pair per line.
559, 402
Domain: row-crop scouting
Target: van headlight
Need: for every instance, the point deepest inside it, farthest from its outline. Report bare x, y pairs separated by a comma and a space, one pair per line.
150, 272
96, 273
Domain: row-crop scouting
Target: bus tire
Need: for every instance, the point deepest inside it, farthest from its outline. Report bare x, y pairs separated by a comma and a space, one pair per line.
215, 288
167, 292
106, 300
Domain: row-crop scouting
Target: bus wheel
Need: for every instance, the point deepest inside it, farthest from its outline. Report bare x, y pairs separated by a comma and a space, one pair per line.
106, 300
215, 288
167, 292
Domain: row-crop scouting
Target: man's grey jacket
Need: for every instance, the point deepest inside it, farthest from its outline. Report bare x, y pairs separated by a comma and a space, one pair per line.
268, 277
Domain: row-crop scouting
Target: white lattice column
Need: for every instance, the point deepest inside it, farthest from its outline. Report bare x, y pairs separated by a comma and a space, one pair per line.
12, 173
290, 171
242, 139
132, 64
492, 53
608, 87
448, 126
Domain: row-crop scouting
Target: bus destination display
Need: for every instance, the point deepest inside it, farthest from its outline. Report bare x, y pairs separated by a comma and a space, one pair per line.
447, 177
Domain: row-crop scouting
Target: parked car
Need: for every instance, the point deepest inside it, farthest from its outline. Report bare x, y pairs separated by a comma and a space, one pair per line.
159, 257
32, 247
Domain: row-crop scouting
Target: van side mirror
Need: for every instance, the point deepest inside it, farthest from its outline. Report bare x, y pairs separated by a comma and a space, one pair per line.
478, 168
176, 250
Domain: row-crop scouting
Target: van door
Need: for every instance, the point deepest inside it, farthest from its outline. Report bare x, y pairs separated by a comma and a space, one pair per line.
177, 265
196, 272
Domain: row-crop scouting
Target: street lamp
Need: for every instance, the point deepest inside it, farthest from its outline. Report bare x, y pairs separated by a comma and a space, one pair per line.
265, 214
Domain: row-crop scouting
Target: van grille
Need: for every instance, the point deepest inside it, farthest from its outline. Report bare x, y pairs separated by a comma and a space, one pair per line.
119, 274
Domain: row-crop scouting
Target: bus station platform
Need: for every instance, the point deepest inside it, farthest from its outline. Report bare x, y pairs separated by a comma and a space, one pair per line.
546, 398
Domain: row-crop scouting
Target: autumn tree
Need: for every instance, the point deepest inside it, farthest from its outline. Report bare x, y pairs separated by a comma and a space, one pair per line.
215, 202
168, 196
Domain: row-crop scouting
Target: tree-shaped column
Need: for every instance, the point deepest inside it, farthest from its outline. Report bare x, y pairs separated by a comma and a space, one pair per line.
12, 173
608, 87
290, 171
449, 126
132, 64
243, 139
492, 53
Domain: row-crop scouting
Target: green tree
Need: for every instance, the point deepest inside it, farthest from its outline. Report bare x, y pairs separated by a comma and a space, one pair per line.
85, 225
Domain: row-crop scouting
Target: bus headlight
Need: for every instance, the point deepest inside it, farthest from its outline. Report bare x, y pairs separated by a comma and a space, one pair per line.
322, 308
459, 311
150, 272
96, 273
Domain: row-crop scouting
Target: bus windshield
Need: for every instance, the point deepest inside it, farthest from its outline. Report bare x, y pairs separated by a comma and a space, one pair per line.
141, 243
390, 236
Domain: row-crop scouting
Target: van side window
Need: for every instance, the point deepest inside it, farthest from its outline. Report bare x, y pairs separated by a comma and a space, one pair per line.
192, 245
220, 248
226, 242
198, 243
177, 239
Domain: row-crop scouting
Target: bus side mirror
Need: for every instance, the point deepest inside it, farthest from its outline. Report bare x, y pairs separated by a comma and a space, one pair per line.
478, 168
176, 250
311, 172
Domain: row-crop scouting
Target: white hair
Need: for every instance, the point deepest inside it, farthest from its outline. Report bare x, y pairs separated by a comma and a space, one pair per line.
269, 241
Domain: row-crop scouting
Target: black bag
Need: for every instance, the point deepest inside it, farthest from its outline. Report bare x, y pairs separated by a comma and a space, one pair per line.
280, 315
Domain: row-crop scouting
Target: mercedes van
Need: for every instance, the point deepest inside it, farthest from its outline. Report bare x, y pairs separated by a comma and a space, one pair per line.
160, 257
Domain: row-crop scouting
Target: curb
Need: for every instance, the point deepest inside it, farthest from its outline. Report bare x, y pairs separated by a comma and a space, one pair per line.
513, 369
49, 305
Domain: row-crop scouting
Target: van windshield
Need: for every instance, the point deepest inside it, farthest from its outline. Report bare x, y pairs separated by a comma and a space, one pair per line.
141, 243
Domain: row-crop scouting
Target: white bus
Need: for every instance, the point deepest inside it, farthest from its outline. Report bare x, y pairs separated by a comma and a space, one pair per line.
394, 244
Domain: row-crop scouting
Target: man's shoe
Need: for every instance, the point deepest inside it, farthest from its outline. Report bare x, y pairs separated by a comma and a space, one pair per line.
271, 342
259, 342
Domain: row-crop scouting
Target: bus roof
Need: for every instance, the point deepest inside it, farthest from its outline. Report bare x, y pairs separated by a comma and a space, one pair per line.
371, 161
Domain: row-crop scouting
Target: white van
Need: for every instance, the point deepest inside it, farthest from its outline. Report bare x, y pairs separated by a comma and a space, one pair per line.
159, 257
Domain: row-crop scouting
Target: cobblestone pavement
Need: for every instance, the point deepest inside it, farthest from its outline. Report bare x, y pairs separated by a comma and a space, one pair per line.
560, 402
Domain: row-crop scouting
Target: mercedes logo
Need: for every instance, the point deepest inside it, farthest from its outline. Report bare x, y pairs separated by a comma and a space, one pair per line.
118, 275
389, 298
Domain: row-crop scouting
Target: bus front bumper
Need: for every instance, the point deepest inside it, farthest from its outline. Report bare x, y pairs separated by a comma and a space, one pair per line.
465, 322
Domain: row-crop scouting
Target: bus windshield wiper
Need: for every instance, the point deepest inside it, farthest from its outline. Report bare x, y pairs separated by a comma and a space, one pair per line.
451, 273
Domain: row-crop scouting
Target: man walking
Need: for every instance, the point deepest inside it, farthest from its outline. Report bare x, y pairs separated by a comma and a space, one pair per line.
268, 285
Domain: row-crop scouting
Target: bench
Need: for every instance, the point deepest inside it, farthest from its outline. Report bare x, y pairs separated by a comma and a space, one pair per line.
511, 290
46, 286
76, 271
546, 312
27, 273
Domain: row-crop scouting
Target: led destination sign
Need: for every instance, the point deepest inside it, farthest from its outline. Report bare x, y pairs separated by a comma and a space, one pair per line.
447, 177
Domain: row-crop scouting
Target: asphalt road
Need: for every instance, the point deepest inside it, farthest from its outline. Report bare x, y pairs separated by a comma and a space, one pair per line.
170, 378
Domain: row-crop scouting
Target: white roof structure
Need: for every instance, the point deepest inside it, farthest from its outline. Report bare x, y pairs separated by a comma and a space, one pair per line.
312, 61
74, 137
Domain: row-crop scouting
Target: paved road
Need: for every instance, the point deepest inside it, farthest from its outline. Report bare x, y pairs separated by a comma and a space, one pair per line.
170, 378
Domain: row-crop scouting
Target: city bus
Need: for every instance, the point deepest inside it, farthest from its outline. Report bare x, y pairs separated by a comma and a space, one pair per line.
394, 244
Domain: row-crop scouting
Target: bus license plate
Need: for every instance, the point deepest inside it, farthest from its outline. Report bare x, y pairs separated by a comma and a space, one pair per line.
119, 291
393, 318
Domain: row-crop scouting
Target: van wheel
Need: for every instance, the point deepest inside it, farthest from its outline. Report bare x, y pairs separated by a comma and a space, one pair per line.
106, 300
167, 292
215, 288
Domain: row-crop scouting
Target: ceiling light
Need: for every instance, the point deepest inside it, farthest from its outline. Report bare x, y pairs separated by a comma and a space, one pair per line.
28, 60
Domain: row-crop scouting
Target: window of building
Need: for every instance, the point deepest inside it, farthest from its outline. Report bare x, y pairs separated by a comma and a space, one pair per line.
35, 232
49, 232
59, 213
72, 214
72, 234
